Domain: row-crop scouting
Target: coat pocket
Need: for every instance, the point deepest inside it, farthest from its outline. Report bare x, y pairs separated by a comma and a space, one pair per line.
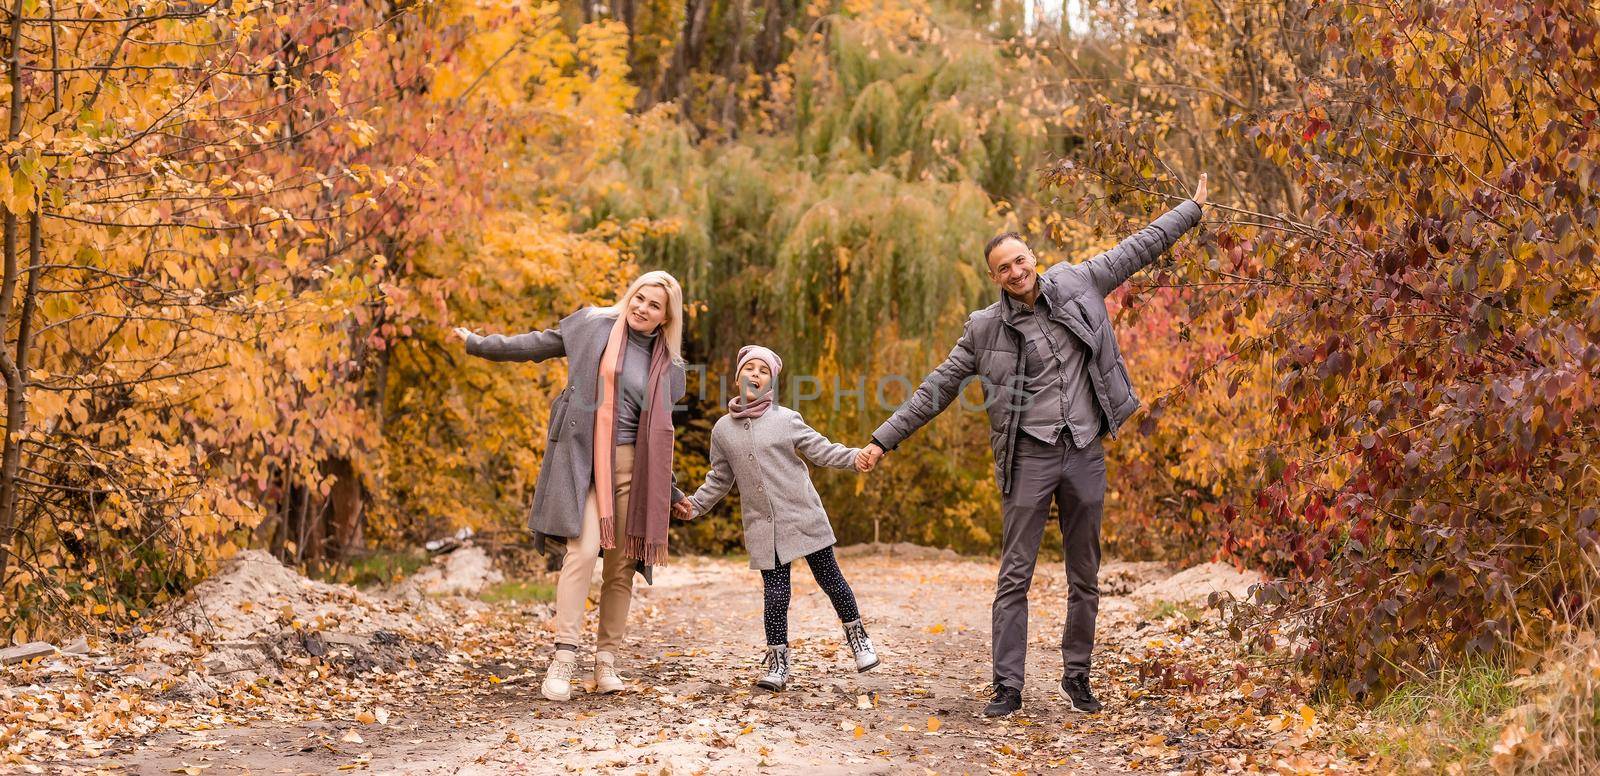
558, 414
1127, 382
995, 367
1092, 318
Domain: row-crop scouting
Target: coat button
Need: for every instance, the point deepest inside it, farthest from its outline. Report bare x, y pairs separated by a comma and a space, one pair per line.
752, 456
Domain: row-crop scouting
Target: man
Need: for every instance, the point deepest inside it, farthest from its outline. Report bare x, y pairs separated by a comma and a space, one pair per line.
1054, 383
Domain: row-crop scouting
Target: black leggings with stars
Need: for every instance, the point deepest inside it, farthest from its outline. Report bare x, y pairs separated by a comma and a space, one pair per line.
776, 592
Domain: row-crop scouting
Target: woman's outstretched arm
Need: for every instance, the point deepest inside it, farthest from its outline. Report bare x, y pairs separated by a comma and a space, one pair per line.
533, 346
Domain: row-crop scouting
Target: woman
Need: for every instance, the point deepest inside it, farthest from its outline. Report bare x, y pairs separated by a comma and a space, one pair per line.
606, 483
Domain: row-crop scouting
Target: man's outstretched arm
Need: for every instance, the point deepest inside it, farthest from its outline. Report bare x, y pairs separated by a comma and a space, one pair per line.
1110, 269
937, 390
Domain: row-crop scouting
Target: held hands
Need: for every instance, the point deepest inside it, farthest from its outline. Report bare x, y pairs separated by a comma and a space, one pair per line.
683, 510
464, 333
868, 458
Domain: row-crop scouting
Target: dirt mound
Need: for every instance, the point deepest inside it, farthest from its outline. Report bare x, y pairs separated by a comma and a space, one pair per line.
1121, 577
255, 614
253, 594
1195, 585
465, 571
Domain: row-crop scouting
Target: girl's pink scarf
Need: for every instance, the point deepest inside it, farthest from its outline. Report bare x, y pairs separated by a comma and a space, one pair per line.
648, 507
738, 408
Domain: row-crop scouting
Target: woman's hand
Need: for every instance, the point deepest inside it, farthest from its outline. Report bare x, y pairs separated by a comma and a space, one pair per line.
1200, 191
683, 510
464, 333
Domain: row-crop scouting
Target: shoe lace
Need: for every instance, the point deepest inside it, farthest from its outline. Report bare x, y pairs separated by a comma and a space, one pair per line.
773, 661
606, 670
856, 636
562, 669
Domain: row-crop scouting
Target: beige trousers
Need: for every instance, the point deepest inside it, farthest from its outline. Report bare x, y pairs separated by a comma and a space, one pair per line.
616, 574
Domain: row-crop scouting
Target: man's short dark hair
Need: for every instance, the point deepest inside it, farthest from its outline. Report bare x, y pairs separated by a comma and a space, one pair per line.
996, 240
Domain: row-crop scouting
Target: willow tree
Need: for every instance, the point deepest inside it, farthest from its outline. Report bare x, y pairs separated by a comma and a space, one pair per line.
844, 227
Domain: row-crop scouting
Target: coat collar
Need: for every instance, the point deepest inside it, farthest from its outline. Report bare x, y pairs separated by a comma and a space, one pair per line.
1011, 308
1047, 296
1064, 312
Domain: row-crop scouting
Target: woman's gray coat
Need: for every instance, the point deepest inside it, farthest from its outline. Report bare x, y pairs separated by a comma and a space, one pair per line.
566, 473
783, 515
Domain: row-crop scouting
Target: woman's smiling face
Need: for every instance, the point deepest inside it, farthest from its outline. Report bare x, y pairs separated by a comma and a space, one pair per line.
647, 310
754, 377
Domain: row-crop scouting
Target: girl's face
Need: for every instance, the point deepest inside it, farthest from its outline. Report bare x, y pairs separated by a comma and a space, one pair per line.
647, 310
754, 377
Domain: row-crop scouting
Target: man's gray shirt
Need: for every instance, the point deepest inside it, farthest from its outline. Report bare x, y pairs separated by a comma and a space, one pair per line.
1059, 396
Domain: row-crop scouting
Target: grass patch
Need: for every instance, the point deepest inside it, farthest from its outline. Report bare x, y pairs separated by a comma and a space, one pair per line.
1450, 718
519, 591
1161, 610
377, 568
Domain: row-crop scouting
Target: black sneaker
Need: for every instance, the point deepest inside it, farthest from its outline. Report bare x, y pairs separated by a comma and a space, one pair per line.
1076, 690
1006, 700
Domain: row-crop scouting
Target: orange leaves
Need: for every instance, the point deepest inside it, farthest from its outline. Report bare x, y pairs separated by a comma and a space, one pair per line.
16, 190
204, 347
1396, 413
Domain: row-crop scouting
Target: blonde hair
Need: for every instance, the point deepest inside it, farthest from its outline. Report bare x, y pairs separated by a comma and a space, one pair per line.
672, 327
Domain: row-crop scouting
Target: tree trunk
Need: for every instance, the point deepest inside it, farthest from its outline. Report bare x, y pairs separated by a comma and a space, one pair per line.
12, 372
769, 52
686, 55
730, 64
280, 528
346, 506
628, 11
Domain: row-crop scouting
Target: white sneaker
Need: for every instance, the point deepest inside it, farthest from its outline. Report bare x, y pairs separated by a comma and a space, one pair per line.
606, 679
558, 677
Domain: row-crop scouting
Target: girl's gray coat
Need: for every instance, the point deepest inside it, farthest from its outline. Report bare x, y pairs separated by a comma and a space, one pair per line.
566, 474
783, 515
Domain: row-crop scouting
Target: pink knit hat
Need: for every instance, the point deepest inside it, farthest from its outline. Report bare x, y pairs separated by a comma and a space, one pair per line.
751, 352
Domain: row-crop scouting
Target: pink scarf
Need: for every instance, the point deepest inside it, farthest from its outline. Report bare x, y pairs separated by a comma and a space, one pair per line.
739, 409
648, 507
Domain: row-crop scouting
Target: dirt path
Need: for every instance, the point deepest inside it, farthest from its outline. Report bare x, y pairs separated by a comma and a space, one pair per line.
690, 708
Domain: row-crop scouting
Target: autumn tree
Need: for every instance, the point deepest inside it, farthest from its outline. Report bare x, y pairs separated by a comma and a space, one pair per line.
206, 195
1415, 294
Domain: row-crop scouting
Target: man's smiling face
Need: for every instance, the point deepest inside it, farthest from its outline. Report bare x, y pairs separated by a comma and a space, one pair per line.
1013, 267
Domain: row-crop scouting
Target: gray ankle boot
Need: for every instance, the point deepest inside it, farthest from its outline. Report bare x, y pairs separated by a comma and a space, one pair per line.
855, 635
776, 664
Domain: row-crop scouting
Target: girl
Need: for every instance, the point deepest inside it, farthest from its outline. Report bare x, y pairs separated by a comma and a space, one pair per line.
759, 445
606, 482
